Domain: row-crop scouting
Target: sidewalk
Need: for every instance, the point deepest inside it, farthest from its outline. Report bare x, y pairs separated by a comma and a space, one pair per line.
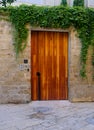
47, 115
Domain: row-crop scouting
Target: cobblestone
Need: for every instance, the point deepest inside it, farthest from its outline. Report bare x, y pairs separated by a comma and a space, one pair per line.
47, 115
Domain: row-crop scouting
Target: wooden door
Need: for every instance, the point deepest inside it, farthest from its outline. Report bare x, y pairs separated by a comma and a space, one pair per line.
49, 57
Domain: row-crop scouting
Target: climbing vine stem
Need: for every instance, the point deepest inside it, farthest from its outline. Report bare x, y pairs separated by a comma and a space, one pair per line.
82, 19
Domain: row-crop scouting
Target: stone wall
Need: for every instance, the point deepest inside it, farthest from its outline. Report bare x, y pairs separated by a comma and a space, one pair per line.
79, 89
14, 74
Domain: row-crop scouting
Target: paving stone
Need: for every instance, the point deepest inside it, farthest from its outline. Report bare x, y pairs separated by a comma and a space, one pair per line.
88, 127
47, 124
42, 109
59, 115
38, 127
90, 120
57, 127
8, 128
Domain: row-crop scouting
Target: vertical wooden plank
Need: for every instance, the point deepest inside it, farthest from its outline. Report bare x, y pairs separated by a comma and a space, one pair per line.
65, 60
41, 63
44, 72
52, 78
55, 81
61, 67
57, 39
49, 59
46, 64
53, 67
34, 65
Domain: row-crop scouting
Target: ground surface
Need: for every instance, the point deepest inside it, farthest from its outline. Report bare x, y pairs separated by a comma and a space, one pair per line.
47, 115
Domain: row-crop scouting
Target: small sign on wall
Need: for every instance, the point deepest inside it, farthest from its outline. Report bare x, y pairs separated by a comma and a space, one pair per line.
24, 65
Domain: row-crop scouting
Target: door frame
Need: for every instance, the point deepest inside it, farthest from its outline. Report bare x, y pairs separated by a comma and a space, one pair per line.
54, 30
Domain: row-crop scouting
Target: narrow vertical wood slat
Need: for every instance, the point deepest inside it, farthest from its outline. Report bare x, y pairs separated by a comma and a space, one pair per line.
46, 64
61, 65
53, 74
40, 57
58, 63
34, 66
53, 68
65, 55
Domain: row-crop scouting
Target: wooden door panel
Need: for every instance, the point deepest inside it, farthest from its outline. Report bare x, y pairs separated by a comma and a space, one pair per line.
49, 56
41, 56
34, 66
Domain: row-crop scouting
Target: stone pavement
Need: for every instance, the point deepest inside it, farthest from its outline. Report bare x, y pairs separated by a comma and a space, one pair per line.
47, 115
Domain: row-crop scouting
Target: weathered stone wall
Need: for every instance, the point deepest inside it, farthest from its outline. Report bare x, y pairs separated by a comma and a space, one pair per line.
15, 84
15, 75
79, 89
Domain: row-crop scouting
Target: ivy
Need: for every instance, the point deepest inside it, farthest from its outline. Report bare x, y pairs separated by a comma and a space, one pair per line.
5, 2
78, 3
64, 2
82, 19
